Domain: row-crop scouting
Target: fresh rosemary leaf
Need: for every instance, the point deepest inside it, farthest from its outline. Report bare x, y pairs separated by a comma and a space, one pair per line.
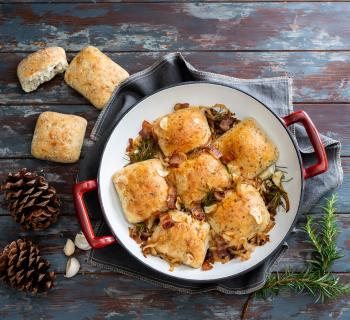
323, 238
146, 149
321, 286
274, 196
316, 279
209, 199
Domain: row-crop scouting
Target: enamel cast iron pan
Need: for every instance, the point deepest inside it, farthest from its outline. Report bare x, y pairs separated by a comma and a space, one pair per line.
161, 103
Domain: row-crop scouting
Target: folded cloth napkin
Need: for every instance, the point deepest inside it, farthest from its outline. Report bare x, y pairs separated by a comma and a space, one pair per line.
172, 69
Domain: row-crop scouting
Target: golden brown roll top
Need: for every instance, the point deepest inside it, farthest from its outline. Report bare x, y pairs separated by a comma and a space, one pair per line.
142, 189
196, 176
247, 149
240, 216
185, 242
58, 137
182, 130
94, 75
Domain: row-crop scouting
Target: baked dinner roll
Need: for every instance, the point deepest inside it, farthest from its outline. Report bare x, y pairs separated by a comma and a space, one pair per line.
196, 176
182, 130
186, 241
58, 137
142, 189
247, 149
240, 216
94, 75
41, 66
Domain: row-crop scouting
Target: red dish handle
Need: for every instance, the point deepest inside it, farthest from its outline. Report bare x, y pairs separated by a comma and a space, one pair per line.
78, 191
322, 162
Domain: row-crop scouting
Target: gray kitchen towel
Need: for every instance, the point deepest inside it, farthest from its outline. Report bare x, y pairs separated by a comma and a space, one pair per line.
172, 69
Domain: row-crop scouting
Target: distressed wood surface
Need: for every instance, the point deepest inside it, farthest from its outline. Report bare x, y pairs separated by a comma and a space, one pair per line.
318, 76
52, 241
308, 41
109, 296
177, 26
161, 1
19, 121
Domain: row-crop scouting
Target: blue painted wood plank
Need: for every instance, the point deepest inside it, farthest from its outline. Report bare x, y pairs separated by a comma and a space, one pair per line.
106, 296
318, 76
177, 26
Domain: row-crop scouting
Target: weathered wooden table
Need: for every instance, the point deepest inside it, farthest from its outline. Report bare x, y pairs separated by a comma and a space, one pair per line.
309, 41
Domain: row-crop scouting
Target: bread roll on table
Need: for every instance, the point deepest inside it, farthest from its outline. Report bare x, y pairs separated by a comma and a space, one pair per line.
41, 66
94, 75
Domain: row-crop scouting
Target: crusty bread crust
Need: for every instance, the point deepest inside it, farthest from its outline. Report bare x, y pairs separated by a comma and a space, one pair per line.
41, 66
94, 75
58, 137
142, 191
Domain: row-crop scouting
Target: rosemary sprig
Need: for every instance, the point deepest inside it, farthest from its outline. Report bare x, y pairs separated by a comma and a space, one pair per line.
209, 199
325, 251
317, 280
274, 196
320, 285
220, 111
146, 149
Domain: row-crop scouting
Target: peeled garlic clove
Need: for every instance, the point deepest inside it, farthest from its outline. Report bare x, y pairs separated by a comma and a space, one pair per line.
210, 209
69, 248
72, 267
164, 123
163, 173
256, 213
81, 242
268, 172
277, 177
178, 203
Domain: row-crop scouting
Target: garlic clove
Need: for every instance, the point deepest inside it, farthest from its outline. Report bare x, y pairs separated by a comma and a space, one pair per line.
268, 172
69, 248
164, 123
163, 173
256, 213
81, 242
72, 267
277, 177
210, 209
178, 203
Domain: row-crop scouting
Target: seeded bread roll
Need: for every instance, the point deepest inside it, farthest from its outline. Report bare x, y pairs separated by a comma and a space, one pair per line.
58, 137
41, 66
94, 75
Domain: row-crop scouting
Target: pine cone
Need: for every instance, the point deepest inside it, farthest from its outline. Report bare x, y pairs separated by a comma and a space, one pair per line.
31, 200
22, 267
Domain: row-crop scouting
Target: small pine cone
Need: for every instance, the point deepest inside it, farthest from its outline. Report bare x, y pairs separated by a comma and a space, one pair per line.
31, 200
23, 268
